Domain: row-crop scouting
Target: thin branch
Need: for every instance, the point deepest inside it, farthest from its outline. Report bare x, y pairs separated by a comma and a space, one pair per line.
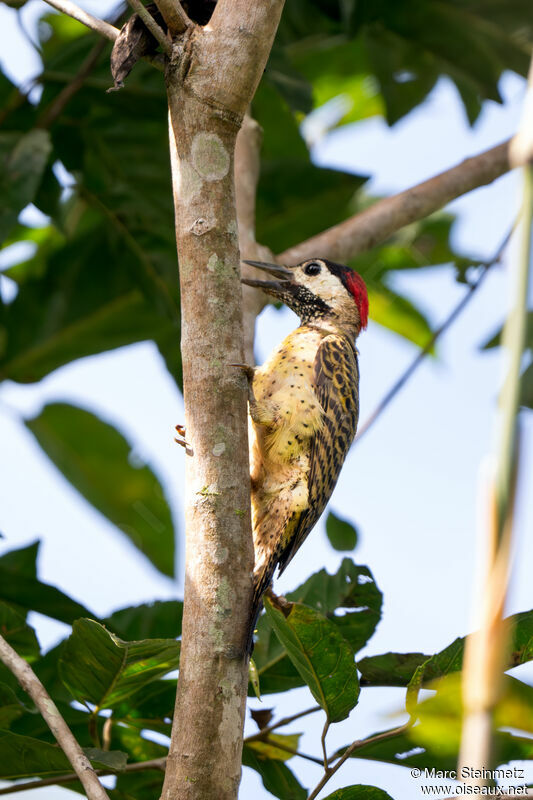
59, 780
156, 31
95, 24
323, 743
357, 745
281, 723
374, 225
174, 15
247, 167
402, 380
33, 686
52, 112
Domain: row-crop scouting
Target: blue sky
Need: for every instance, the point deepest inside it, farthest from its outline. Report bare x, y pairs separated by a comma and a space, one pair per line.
411, 485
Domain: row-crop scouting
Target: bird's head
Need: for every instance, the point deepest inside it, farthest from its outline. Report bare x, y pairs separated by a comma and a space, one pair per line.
317, 289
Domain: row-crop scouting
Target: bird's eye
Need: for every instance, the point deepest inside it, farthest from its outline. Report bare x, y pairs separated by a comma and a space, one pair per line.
313, 268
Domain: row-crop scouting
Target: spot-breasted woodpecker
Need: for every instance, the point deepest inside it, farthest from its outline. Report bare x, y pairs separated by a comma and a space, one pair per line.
304, 408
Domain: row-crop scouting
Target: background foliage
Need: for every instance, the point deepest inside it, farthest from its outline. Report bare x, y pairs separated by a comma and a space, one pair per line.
103, 274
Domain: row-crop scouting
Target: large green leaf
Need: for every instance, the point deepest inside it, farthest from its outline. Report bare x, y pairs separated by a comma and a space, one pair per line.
276, 745
25, 757
160, 620
321, 655
390, 669
22, 560
11, 707
295, 198
33, 595
23, 158
352, 590
95, 459
276, 776
99, 668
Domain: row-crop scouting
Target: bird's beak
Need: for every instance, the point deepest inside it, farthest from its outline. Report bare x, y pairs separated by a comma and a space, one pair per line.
282, 273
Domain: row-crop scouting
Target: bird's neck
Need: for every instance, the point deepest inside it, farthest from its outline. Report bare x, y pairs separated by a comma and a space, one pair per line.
331, 324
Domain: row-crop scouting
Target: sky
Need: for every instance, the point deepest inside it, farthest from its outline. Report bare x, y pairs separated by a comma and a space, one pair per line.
411, 485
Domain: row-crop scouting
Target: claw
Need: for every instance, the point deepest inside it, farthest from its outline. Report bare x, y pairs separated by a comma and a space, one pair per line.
181, 432
246, 368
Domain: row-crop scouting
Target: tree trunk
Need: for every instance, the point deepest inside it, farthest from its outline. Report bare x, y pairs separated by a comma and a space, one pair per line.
211, 79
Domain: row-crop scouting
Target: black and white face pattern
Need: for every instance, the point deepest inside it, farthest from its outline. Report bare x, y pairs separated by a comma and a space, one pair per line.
318, 288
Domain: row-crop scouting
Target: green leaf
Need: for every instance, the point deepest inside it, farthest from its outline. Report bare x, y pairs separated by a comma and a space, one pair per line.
398, 314
321, 655
359, 792
159, 620
22, 560
99, 668
390, 669
341, 533
20, 636
130, 740
23, 158
25, 757
268, 748
496, 339
351, 590
295, 198
94, 457
276, 776
33, 595
526, 388
10, 706
152, 710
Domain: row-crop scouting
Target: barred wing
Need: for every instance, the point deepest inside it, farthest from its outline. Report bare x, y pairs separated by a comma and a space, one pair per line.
336, 384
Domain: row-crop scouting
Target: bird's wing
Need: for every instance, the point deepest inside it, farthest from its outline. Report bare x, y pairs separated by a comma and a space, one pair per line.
336, 384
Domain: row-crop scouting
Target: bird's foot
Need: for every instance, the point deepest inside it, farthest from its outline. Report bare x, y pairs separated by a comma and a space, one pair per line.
247, 370
180, 430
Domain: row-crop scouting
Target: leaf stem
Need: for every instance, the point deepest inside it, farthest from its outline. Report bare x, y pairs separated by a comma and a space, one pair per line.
357, 745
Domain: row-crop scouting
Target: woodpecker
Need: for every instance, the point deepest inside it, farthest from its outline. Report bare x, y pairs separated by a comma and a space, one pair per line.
303, 408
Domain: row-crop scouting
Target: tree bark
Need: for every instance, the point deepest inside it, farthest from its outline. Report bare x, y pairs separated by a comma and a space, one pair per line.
211, 79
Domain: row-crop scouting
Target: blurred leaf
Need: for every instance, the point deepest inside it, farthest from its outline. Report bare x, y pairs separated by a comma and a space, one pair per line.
496, 339
25, 757
398, 314
17, 633
321, 655
295, 198
341, 534
70, 304
23, 158
390, 669
159, 620
138, 786
22, 560
267, 748
33, 595
276, 776
99, 668
10, 706
94, 457
526, 386
441, 715
359, 793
